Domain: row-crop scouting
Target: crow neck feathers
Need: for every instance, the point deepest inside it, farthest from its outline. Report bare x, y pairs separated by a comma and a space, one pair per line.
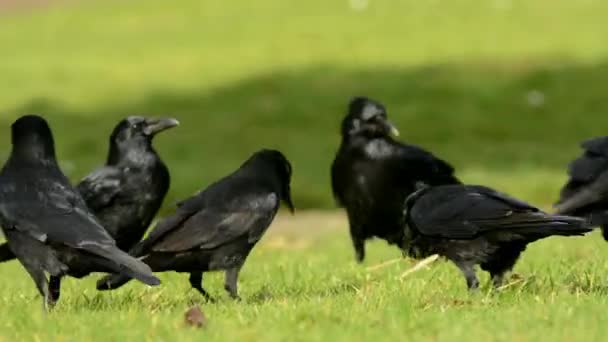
273, 169
136, 150
354, 129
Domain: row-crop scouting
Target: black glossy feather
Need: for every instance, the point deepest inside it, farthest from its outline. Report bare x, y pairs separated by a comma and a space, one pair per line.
373, 174
101, 188
127, 192
475, 225
47, 223
217, 228
586, 192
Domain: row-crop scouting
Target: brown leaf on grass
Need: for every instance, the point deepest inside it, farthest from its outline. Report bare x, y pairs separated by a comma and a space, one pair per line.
194, 317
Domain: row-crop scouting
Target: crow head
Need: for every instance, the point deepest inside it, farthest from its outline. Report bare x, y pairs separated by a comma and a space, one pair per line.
32, 139
280, 169
367, 118
136, 131
135, 127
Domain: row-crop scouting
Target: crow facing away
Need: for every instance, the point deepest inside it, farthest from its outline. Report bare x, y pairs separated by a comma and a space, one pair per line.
217, 228
475, 225
373, 174
586, 192
47, 223
126, 193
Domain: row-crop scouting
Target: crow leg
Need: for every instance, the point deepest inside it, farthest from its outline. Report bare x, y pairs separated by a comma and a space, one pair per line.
37, 258
502, 262
605, 232
36, 272
359, 246
196, 281
497, 279
42, 284
230, 283
468, 271
54, 289
5, 253
356, 234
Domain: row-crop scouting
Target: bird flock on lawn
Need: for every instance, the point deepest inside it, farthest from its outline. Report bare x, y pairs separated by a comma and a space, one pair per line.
397, 192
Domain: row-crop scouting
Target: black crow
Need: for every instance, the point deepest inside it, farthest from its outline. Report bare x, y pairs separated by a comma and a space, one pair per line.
475, 225
47, 223
586, 192
217, 228
373, 174
126, 193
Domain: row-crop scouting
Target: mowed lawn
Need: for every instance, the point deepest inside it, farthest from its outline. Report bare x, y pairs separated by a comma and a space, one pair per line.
302, 284
504, 90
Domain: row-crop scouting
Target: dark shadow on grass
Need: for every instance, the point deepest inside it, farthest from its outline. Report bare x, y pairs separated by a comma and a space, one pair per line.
492, 116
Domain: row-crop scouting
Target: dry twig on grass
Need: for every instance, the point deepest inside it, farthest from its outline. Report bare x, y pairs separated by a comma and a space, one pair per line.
383, 264
424, 262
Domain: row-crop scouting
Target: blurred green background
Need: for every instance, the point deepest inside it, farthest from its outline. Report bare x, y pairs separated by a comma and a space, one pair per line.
504, 89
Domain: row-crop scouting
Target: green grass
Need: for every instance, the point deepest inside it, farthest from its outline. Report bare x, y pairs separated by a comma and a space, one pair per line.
307, 287
460, 78
456, 77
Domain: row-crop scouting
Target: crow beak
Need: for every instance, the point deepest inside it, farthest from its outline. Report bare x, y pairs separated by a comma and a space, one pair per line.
392, 129
154, 126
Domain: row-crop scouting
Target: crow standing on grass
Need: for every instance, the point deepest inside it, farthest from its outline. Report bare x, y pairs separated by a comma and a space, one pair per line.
126, 193
47, 223
475, 225
217, 228
373, 174
586, 193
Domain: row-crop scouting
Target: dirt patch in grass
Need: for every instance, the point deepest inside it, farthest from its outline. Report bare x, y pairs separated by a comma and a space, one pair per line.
310, 223
303, 229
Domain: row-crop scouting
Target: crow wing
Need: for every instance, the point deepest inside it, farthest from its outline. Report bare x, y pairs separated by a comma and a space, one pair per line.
588, 181
585, 195
56, 213
212, 226
337, 179
465, 212
592, 163
587, 168
213, 194
50, 210
423, 165
101, 187
409, 162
